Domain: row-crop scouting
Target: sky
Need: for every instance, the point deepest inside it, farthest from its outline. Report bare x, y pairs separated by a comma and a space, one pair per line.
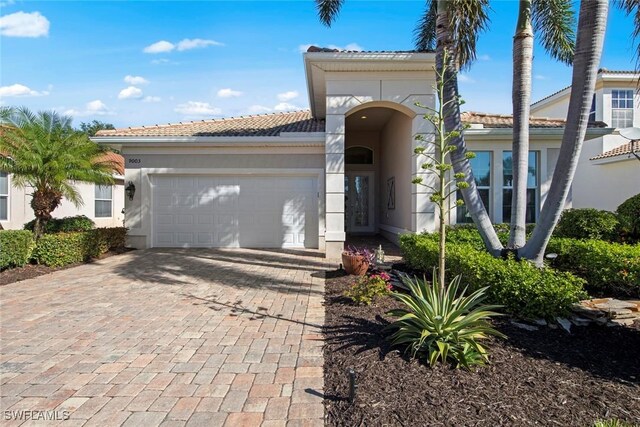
150, 62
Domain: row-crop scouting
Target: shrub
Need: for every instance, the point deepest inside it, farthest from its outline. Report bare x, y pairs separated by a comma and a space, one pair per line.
587, 224
16, 247
56, 250
522, 288
609, 268
442, 323
65, 225
629, 217
367, 288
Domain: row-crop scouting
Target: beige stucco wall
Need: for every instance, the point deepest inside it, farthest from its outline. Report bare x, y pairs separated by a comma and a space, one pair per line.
20, 210
144, 162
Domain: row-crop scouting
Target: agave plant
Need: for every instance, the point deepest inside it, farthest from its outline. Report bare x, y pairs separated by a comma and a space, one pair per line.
442, 323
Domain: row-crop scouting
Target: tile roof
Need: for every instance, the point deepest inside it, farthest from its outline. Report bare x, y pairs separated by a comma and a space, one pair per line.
255, 125
506, 121
620, 151
116, 159
313, 49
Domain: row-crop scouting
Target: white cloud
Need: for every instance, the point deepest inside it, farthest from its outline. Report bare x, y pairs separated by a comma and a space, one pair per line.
159, 47
484, 57
21, 24
288, 96
285, 106
463, 78
131, 92
6, 3
135, 80
92, 108
196, 108
20, 90
258, 109
152, 99
188, 44
540, 77
229, 93
160, 61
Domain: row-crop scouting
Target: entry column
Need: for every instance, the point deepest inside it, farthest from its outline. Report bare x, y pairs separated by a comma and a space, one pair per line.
334, 186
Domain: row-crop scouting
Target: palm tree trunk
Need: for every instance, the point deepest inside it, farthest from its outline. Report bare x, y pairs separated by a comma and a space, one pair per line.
590, 38
452, 121
521, 98
43, 202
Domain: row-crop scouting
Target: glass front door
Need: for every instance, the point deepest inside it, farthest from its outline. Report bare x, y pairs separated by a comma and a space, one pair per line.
358, 200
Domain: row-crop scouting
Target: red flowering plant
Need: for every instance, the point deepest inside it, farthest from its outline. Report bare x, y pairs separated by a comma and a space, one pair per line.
367, 288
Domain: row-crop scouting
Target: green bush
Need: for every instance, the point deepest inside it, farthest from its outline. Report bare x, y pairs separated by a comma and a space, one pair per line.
67, 224
16, 247
442, 323
629, 217
522, 288
610, 269
587, 224
367, 288
56, 250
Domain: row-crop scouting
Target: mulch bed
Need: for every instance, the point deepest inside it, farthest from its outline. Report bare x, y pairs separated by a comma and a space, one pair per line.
30, 271
544, 377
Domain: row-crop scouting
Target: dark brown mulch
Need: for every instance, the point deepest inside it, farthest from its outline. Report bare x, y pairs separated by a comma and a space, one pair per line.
544, 377
29, 271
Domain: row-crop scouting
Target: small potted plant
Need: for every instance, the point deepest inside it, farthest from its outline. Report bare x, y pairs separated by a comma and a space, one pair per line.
356, 261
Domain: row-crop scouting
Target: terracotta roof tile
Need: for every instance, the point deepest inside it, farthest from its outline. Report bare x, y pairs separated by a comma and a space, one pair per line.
506, 121
256, 125
115, 158
620, 151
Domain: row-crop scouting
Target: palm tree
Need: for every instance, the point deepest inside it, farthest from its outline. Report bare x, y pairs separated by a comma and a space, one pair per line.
554, 20
590, 39
44, 152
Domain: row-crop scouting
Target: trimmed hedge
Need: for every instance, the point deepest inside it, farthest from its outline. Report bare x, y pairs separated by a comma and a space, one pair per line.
522, 288
56, 250
610, 269
65, 225
16, 247
629, 217
587, 224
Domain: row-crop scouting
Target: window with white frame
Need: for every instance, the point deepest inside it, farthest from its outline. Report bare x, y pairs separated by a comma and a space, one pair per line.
481, 166
621, 108
4, 196
103, 201
532, 186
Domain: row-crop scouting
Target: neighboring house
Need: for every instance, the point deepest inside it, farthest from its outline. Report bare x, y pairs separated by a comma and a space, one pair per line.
103, 204
306, 179
608, 171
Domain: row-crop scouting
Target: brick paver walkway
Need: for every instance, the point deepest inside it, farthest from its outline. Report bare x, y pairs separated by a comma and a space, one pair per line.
168, 337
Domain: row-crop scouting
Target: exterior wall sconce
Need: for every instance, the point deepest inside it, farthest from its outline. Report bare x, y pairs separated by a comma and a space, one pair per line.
130, 190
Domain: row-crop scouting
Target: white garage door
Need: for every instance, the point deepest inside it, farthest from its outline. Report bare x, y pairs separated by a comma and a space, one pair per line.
235, 211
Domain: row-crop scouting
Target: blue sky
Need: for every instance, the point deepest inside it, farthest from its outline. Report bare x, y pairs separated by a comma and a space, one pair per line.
222, 59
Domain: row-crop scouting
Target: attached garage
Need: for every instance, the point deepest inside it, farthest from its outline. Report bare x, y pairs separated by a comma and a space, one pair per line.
235, 211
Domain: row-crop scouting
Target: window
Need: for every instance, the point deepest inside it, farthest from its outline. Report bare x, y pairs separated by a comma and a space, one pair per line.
592, 112
622, 108
481, 166
507, 186
4, 196
359, 156
103, 198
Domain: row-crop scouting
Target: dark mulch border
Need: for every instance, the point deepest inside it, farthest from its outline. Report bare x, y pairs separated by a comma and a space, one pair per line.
30, 271
544, 377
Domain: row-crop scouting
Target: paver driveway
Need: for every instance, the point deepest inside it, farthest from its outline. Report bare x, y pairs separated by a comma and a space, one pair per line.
168, 337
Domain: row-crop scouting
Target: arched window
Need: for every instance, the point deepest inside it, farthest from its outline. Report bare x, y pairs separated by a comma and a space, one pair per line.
359, 156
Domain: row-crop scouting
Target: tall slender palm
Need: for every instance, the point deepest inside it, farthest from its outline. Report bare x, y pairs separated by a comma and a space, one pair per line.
590, 39
44, 152
554, 21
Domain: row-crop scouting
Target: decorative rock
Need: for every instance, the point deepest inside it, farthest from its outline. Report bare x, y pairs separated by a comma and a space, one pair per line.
614, 304
564, 323
540, 322
580, 321
524, 326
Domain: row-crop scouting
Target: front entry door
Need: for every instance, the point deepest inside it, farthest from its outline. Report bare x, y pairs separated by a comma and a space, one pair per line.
359, 203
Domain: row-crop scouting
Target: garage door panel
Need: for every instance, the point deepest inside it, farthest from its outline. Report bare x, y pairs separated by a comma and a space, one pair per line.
234, 211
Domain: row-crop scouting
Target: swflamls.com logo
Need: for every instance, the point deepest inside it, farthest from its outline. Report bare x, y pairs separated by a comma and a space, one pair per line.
37, 415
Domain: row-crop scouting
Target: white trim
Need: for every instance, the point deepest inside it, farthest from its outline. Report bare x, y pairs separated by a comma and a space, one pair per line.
539, 133
613, 159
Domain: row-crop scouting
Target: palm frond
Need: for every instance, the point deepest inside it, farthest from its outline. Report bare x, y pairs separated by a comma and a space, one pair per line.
425, 31
555, 22
632, 8
468, 18
328, 10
